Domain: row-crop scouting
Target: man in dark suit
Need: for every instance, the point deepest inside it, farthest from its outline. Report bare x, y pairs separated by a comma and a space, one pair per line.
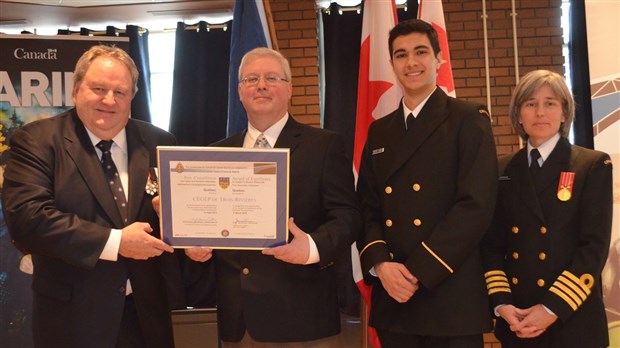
288, 293
427, 189
97, 281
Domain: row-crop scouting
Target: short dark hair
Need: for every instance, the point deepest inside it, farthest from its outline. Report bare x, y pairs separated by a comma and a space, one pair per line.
414, 26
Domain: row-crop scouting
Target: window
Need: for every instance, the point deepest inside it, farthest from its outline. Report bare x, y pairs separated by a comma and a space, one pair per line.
161, 58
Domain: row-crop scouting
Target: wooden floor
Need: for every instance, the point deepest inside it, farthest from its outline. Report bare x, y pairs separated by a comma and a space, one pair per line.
351, 335
198, 328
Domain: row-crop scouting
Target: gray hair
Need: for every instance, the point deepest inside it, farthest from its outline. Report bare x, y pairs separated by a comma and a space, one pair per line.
261, 52
532, 82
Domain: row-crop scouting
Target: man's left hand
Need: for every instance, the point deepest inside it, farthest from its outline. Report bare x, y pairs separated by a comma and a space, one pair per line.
297, 251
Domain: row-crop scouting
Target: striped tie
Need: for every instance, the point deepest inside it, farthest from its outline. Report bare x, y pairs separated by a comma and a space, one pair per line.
111, 174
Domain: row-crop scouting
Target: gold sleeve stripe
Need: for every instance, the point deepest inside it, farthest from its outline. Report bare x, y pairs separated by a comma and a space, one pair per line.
438, 258
496, 279
575, 283
564, 297
568, 292
496, 290
570, 288
497, 285
369, 244
494, 273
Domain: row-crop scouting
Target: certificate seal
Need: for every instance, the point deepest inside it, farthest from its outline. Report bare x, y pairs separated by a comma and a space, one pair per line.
225, 233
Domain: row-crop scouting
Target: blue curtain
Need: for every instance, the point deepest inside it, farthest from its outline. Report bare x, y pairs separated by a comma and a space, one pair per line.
198, 113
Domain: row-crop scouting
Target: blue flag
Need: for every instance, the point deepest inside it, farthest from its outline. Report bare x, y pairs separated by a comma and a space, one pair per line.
249, 30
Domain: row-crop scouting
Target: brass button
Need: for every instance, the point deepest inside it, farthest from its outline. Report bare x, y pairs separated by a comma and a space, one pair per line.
515, 255
541, 282
515, 229
542, 256
388, 190
543, 230
416, 187
388, 223
121, 290
417, 222
245, 271
515, 280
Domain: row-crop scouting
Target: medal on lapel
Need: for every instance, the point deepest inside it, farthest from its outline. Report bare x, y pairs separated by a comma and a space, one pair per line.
151, 183
565, 187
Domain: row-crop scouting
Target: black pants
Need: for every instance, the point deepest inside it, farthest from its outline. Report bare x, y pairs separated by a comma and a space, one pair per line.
130, 335
397, 340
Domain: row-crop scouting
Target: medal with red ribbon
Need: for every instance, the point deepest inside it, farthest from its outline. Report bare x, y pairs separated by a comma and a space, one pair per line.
151, 184
565, 187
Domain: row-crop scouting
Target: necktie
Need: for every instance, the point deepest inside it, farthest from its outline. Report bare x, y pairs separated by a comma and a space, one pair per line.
534, 166
261, 142
410, 121
111, 174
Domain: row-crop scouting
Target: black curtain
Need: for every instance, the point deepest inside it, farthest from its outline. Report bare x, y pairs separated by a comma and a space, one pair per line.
139, 52
198, 113
340, 36
580, 75
198, 117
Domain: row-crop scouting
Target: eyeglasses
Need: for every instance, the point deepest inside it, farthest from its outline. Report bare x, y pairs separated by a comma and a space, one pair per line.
271, 80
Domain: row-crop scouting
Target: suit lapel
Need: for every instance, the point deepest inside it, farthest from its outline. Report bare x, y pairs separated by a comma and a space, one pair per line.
432, 115
82, 152
558, 161
138, 165
522, 183
289, 137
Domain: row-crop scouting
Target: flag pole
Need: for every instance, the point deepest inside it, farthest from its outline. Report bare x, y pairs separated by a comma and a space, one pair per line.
272, 28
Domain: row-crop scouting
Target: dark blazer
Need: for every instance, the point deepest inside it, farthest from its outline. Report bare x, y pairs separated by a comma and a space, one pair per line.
281, 302
58, 207
427, 198
541, 250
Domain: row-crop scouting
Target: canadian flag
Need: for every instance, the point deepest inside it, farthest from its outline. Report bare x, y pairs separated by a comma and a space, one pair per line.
378, 94
431, 11
378, 91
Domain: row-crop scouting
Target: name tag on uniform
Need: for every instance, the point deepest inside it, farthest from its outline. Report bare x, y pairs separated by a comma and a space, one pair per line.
378, 151
504, 178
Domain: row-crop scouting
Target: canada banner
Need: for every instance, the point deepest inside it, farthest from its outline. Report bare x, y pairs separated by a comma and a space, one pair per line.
379, 93
35, 83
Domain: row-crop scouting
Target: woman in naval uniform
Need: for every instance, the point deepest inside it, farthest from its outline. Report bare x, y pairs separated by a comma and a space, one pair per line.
545, 251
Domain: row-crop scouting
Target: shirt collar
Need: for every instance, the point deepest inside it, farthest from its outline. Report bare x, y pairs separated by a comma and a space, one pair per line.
545, 149
272, 133
120, 140
416, 110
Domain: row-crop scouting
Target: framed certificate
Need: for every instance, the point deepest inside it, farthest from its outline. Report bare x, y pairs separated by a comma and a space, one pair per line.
223, 198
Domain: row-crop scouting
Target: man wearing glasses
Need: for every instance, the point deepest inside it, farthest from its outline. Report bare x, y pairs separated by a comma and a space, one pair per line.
286, 296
